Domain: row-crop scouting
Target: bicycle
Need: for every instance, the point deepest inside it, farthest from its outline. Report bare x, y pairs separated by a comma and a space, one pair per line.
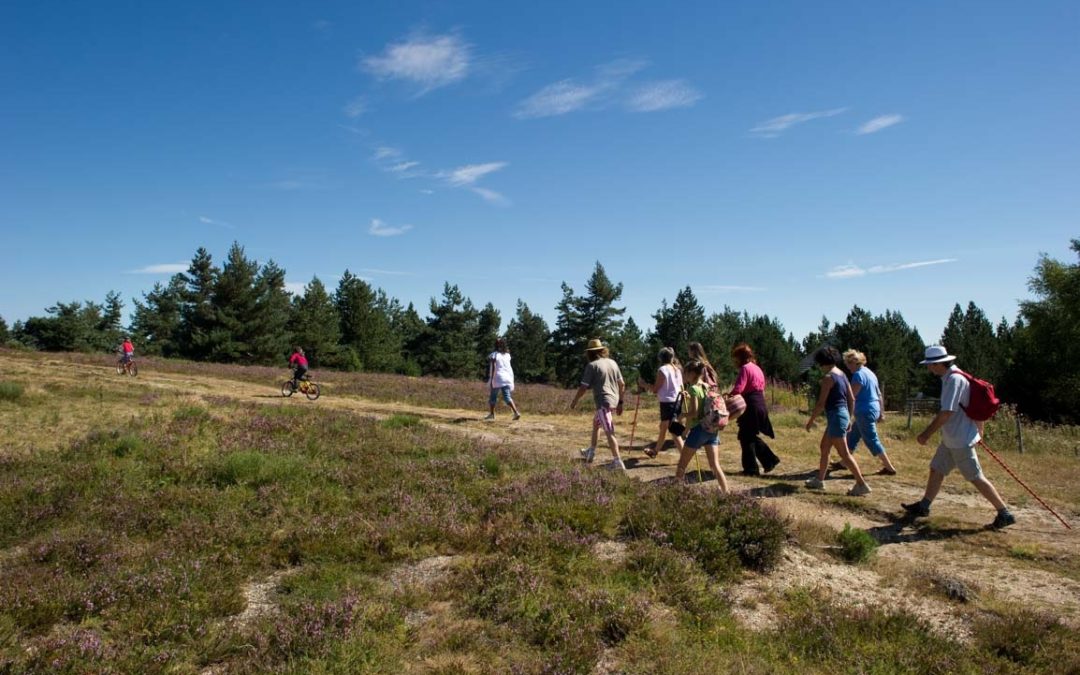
128, 367
306, 387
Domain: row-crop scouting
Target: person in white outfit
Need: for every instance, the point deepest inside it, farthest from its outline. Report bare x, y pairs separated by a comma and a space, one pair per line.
501, 379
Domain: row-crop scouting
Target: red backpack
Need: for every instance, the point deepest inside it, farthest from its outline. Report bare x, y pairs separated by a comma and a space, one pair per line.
983, 402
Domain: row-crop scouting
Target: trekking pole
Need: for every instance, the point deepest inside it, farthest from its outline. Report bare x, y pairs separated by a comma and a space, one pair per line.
633, 425
1024, 485
697, 463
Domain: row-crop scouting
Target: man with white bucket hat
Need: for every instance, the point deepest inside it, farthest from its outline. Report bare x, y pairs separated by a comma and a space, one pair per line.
959, 435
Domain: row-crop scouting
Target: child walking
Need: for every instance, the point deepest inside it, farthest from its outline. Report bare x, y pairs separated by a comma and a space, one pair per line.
838, 403
668, 389
603, 377
699, 437
500, 379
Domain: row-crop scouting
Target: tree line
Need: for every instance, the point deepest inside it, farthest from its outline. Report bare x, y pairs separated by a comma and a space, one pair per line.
241, 313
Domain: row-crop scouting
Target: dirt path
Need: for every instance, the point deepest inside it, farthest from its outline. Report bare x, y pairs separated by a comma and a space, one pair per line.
962, 550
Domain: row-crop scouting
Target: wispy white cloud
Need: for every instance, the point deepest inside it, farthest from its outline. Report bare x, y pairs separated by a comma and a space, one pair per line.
426, 191
772, 128
404, 169
569, 95
295, 287
356, 107
161, 268
491, 196
663, 95
851, 270
210, 221
716, 288
470, 173
386, 152
878, 123
380, 229
427, 62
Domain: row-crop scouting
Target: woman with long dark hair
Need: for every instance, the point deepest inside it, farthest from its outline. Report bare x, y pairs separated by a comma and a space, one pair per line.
750, 384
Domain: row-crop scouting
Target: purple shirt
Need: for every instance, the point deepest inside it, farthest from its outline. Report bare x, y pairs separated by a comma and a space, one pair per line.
750, 379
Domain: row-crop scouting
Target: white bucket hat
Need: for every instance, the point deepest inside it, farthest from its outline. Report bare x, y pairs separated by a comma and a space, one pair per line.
936, 354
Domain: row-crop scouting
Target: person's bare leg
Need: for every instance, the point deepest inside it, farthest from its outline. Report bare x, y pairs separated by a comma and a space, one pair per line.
713, 455
823, 465
663, 435
513, 406
685, 455
933, 485
885, 462
986, 489
613, 443
848, 459
595, 436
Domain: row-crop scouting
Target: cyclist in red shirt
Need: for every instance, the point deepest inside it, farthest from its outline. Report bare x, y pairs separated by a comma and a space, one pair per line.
127, 350
299, 364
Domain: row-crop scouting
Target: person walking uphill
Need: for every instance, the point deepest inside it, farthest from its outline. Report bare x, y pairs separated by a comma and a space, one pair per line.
838, 404
668, 389
603, 377
959, 434
868, 410
750, 383
501, 379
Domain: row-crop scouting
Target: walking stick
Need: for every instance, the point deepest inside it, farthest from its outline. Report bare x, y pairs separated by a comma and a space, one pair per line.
633, 425
697, 463
1024, 485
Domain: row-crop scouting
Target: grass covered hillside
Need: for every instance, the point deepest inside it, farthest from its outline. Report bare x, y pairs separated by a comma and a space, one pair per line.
191, 520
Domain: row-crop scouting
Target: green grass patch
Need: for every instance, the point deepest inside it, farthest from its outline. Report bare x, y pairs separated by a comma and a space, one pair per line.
11, 391
401, 421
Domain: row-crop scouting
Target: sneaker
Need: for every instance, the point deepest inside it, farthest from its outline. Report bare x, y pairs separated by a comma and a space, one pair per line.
1003, 519
588, 454
814, 483
917, 509
885, 471
516, 417
490, 417
859, 490
767, 469
615, 465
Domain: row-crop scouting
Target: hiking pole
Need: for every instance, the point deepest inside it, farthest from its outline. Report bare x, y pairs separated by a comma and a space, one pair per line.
633, 425
1024, 485
697, 463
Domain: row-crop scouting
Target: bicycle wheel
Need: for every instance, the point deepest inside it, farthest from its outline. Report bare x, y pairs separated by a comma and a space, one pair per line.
133, 369
119, 368
287, 389
312, 391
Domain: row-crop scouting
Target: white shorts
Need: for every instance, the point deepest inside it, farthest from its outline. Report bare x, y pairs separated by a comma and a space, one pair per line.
964, 459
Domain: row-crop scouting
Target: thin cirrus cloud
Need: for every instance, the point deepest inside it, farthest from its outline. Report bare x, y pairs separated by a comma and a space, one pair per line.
356, 107
878, 123
663, 95
206, 220
466, 177
851, 270
161, 268
771, 128
380, 229
607, 86
422, 61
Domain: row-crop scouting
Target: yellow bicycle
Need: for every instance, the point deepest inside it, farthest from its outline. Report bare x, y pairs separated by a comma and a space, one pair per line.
305, 387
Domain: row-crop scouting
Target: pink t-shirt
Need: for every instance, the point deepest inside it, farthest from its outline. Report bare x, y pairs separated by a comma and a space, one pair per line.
750, 379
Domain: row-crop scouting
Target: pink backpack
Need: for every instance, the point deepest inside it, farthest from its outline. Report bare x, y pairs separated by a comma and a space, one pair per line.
714, 416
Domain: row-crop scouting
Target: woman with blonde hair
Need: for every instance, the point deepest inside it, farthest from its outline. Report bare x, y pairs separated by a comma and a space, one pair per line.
869, 410
708, 373
668, 389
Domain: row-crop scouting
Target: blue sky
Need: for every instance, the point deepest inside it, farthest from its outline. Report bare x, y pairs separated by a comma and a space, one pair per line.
785, 158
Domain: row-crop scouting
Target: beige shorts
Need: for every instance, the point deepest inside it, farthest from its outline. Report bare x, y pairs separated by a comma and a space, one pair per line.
964, 459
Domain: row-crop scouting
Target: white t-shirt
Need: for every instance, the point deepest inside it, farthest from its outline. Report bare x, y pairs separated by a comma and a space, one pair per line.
960, 431
504, 374
672, 384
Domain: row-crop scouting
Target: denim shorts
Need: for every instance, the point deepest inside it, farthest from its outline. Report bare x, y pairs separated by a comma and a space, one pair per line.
699, 437
494, 398
838, 419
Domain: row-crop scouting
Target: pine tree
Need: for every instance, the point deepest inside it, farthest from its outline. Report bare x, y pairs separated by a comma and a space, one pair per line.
581, 318
366, 333
448, 345
70, 326
527, 336
234, 303
315, 324
5, 334
487, 331
111, 328
970, 336
409, 328
630, 350
268, 332
197, 315
680, 324
155, 325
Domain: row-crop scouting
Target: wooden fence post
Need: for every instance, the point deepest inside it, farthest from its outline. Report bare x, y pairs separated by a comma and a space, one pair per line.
910, 412
1019, 436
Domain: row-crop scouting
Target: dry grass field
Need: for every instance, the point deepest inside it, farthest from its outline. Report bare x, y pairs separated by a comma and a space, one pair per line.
191, 520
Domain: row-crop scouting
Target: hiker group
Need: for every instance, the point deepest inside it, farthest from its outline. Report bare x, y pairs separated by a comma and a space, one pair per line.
851, 409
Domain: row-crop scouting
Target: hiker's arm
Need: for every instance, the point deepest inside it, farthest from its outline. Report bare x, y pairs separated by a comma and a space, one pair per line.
491, 372
881, 404
850, 408
740, 382
622, 391
577, 395
939, 421
826, 385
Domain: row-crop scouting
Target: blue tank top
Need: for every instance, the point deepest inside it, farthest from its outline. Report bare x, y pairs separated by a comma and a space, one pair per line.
837, 397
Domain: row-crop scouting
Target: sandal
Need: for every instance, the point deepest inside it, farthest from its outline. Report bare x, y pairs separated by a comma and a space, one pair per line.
651, 453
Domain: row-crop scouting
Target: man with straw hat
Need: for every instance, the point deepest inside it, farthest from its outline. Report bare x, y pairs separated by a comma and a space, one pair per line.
603, 376
959, 434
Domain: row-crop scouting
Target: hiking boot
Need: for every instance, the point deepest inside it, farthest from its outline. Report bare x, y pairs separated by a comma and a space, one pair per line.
886, 471
917, 509
1003, 519
516, 417
588, 454
859, 490
490, 417
615, 465
767, 469
814, 483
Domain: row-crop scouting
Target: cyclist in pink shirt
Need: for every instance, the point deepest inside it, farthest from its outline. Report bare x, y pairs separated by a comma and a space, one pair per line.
299, 364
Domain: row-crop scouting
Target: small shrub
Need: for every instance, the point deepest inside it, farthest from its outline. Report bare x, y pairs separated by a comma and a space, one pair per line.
253, 469
195, 413
10, 391
1029, 638
856, 546
126, 445
491, 465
